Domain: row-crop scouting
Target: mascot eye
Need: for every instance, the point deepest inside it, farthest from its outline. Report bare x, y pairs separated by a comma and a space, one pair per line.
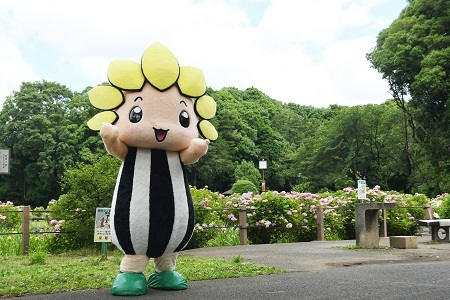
184, 119
135, 114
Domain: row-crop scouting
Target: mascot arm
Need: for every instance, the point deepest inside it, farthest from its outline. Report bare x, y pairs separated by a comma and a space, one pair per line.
110, 137
197, 149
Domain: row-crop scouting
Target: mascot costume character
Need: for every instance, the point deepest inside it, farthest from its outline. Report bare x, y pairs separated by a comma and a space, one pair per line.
152, 115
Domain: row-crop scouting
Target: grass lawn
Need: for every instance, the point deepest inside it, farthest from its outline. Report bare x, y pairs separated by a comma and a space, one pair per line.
41, 273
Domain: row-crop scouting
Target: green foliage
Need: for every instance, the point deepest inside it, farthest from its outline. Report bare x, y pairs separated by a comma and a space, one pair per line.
413, 55
247, 171
10, 216
244, 186
45, 131
442, 206
280, 217
88, 187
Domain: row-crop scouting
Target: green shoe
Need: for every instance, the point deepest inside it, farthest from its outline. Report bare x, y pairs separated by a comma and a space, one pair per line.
129, 284
167, 280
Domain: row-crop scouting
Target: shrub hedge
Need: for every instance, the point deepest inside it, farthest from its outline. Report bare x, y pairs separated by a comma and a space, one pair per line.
272, 217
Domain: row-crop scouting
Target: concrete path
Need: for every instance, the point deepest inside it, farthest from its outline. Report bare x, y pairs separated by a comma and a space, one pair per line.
316, 270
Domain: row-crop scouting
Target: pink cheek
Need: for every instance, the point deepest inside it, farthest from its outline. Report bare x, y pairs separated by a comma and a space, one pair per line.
188, 134
134, 130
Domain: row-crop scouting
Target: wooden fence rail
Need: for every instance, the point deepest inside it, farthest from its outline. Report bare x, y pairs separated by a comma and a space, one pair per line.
243, 226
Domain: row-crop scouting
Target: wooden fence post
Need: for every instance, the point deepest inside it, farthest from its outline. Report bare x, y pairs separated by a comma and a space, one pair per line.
243, 224
25, 229
320, 225
428, 212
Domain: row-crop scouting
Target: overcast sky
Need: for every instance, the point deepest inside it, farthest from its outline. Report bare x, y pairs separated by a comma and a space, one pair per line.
310, 52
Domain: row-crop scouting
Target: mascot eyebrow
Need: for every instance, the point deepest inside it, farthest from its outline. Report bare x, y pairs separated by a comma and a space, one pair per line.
160, 68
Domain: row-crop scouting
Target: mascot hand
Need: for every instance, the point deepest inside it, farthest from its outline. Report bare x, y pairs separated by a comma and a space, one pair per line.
110, 137
197, 149
109, 132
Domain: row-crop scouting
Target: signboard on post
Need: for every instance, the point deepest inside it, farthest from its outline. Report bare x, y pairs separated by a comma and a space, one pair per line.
362, 189
102, 232
5, 154
262, 167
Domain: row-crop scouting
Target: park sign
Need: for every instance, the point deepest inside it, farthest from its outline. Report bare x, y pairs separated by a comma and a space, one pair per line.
362, 188
102, 231
5, 155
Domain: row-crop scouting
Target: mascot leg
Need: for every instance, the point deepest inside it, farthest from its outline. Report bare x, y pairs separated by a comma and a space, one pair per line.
165, 277
131, 280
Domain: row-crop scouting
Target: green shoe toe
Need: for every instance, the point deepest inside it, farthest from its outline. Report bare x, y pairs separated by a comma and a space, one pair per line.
167, 280
129, 284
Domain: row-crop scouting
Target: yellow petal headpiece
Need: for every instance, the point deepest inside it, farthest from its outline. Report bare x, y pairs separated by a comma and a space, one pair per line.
160, 68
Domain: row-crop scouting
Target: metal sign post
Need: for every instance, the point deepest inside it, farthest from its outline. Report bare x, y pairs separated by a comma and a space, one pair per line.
262, 167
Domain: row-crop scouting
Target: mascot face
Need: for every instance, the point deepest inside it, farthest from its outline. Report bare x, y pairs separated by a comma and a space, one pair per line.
159, 120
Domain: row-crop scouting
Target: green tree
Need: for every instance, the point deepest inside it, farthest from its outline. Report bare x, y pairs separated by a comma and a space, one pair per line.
413, 55
86, 186
247, 170
358, 142
44, 125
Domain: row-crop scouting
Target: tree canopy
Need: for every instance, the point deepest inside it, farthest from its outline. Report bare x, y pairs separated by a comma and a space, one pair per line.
402, 144
413, 54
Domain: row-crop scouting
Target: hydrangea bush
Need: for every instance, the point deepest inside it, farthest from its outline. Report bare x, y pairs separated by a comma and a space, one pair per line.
275, 217
272, 217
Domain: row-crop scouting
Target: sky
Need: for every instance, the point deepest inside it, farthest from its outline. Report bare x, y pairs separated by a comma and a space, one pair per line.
301, 51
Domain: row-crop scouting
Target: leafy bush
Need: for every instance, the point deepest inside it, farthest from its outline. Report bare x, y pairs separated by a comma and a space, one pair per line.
441, 206
246, 170
87, 187
9, 216
275, 217
244, 186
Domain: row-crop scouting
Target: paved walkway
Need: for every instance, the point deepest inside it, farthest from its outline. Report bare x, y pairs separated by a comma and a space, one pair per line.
303, 261
315, 256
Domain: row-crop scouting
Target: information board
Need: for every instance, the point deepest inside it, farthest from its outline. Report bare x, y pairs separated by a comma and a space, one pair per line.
102, 232
5, 155
362, 189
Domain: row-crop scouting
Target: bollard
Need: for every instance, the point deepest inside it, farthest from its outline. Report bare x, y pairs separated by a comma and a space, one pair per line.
243, 224
25, 229
320, 225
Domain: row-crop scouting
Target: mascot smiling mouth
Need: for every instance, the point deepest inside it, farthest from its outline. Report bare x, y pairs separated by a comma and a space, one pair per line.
160, 134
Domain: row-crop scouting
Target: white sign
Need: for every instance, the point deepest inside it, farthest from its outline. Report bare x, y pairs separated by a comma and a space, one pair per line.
5, 155
362, 189
102, 232
262, 164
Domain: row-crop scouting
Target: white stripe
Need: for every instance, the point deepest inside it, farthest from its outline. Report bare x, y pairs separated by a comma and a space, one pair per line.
139, 206
113, 209
181, 217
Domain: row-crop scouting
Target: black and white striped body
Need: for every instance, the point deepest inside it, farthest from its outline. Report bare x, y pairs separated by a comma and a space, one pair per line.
152, 211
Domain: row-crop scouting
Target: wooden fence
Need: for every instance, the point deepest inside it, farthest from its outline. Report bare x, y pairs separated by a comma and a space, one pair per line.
243, 228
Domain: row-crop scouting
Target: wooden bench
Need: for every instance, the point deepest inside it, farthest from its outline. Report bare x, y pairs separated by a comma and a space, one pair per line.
439, 229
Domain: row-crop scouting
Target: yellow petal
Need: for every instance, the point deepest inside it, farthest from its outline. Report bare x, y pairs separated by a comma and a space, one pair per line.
206, 107
126, 75
207, 130
95, 123
106, 97
160, 66
192, 82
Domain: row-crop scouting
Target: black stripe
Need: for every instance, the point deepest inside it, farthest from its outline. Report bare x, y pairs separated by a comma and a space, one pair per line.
191, 220
122, 209
162, 204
